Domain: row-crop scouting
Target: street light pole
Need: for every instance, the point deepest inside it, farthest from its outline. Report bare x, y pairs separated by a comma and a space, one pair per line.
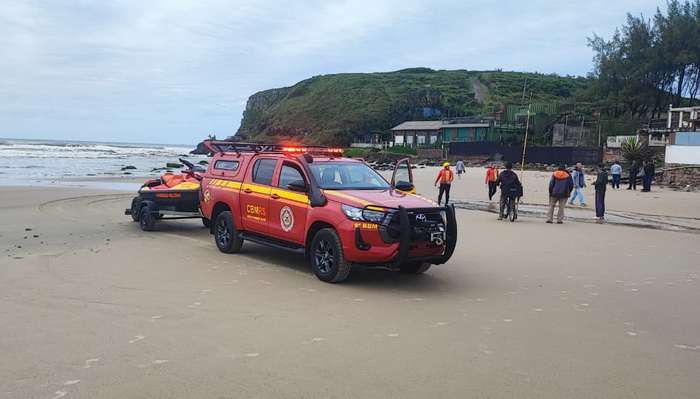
527, 127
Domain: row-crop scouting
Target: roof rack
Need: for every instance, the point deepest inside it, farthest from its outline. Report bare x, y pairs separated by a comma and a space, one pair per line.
221, 146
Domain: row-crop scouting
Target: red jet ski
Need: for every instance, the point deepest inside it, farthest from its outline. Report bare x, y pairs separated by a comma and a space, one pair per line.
172, 196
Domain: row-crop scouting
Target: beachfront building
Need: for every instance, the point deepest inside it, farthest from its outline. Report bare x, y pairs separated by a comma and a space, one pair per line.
414, 133
433, 133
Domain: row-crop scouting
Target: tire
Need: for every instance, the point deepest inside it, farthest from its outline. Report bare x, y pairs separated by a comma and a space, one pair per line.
206, 222
513, 212
135, 208
415, 267
225, 234
147, 220
326, 257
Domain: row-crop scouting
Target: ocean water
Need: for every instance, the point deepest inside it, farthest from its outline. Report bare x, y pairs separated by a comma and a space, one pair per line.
40, 161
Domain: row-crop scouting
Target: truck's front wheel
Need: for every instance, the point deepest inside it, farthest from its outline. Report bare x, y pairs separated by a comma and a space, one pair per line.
226, 235
327, 259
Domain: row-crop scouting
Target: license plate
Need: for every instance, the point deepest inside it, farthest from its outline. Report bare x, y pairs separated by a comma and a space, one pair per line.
437, 237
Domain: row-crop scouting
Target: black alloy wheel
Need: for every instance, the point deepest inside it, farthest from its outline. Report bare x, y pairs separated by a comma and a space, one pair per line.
226, 235
326, 256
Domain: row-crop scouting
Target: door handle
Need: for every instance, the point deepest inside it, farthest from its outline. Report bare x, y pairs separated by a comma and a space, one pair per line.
247, 190
274, 196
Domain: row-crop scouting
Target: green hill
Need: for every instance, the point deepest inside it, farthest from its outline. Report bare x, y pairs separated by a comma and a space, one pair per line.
332, 109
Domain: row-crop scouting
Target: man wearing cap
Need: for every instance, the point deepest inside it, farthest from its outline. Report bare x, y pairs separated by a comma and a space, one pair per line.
444, 178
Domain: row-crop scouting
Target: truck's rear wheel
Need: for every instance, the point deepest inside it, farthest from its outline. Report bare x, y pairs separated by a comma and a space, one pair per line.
327, 259
225, 234
415, 267
147, 220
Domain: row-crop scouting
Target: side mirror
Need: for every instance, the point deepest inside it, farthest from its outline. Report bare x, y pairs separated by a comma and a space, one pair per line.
404, 186
297, 185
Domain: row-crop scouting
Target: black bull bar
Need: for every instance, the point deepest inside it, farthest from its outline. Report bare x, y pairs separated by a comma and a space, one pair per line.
405, 236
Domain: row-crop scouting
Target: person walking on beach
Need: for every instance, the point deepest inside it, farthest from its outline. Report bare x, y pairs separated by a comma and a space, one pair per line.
510, 187
649, 170
616, 173
460, 168
491, 177
601, 182
560, 186
579, 183
444, 178
634, 169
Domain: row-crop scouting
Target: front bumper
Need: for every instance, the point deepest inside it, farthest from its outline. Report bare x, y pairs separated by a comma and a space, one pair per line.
397, 241
405, 238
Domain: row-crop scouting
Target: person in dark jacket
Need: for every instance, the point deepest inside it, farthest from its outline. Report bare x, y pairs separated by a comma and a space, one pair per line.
649, 171
601, 182
510, 187
634, 170
560, 187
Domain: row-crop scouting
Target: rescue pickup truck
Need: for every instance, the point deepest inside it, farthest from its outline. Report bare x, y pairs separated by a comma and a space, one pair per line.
337, 212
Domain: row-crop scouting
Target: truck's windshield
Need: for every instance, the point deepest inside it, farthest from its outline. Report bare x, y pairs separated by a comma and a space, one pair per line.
347, 176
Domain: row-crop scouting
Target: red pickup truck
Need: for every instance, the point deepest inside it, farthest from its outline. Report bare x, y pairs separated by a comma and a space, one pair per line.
336, 211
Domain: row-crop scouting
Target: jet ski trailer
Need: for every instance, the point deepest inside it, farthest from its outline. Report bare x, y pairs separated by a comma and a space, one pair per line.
170, 197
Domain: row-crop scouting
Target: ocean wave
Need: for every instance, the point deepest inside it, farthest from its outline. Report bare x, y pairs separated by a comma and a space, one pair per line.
25, 150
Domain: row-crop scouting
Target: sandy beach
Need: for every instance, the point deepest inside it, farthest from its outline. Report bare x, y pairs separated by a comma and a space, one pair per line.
92, 307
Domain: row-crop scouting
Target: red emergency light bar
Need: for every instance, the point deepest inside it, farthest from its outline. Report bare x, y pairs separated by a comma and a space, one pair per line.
230, 146
313, 150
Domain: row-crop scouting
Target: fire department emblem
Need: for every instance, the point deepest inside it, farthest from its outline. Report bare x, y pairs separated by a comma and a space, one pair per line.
207, 196
286, 218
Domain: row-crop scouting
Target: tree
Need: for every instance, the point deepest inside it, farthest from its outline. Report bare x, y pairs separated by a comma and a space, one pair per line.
649, 63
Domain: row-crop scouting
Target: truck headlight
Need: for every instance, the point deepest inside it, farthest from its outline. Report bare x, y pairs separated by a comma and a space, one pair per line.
351, 212
361, 214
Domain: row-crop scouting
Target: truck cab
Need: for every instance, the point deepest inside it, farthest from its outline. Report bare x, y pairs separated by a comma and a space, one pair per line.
336, 211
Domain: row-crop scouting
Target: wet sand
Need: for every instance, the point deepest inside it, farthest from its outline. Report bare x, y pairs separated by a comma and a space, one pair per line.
93, 307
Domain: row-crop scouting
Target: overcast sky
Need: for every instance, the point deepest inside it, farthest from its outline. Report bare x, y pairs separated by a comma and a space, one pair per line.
172, 71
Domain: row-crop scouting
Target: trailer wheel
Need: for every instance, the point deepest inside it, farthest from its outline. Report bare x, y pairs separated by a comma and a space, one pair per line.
226, 235
415, 267
147, 220
326, 256
135, 208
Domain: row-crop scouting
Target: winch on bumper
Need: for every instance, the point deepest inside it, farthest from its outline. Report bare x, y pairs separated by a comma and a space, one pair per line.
411, 228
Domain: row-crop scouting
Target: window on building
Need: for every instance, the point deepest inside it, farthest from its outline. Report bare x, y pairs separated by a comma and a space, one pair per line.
421, 139
409, 139
433, 139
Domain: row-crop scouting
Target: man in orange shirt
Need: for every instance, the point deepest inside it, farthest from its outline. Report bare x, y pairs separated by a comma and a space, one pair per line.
444, 177
491, 177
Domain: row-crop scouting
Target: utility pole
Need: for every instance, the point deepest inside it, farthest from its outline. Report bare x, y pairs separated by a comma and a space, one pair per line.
527, 127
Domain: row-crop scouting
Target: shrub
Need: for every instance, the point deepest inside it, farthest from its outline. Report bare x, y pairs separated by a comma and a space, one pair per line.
356, 152
633, 150
400, 149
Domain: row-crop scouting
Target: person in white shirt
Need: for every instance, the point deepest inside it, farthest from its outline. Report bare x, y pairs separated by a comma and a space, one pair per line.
616, 172
460, 168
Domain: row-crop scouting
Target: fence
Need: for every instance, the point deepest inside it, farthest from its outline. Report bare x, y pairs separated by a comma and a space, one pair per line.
535, 154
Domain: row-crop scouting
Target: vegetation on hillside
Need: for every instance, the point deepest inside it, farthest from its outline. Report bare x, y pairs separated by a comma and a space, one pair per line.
332, 109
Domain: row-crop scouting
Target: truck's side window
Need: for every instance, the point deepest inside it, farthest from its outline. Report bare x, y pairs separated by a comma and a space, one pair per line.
226, 165
263, 171
288, 174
